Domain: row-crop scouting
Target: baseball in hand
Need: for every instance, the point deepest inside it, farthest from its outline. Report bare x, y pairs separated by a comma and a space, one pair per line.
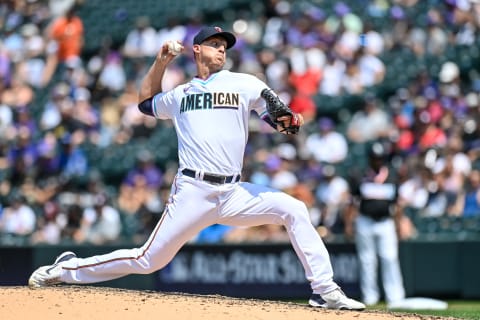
174, 47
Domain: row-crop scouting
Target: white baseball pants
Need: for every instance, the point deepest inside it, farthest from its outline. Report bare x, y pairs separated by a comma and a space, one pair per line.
378, 238
194, 205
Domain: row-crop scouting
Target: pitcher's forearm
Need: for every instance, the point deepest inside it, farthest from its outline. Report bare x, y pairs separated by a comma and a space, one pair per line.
152, 83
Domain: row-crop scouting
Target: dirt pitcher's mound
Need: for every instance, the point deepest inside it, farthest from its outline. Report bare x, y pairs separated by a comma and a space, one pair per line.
81, 302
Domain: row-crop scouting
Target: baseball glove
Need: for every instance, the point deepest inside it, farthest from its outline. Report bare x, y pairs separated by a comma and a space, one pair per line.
277, 109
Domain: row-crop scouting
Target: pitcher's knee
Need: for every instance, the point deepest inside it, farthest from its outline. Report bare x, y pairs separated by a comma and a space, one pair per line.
294, 205
147, 267
296, 209
149, 263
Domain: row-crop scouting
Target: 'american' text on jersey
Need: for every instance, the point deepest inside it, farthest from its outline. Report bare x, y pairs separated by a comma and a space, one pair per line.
210, 100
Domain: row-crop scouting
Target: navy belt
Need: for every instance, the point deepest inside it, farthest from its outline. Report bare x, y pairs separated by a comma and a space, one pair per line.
211, 177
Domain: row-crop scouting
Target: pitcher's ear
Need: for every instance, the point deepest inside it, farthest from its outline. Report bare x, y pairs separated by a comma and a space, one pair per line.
196, 48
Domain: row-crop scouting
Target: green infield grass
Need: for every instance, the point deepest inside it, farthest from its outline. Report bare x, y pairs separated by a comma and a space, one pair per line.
459, 309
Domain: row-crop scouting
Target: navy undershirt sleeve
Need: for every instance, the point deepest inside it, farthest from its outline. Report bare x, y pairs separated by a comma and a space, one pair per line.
146, 106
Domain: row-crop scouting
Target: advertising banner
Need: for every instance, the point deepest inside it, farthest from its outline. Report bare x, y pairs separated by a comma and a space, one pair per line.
256, 271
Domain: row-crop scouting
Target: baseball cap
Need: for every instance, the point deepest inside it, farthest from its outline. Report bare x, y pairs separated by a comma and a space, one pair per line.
208, 32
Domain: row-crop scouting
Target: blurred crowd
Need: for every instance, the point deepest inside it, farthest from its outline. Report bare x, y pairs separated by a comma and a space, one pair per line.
64, 110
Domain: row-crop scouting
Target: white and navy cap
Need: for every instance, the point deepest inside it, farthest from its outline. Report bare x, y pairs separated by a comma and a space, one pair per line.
208, 32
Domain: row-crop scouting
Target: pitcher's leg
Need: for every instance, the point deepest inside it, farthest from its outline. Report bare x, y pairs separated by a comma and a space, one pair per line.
185, 216
310, 249
118, 263
252, 205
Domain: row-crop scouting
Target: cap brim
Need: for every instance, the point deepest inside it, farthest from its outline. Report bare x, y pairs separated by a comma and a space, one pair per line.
229, 37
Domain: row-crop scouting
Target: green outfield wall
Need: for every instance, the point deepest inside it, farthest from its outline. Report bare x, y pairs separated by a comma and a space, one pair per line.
436, 269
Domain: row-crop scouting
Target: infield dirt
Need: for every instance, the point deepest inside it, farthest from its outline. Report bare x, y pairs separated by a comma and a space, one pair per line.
89, 303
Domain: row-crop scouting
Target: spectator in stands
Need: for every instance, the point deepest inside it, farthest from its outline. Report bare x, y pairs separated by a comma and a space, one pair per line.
24, 119
430, 134
413, 193
72, 230
454, 150
38, 12
145, 170
19, 94
333, 196
101, 222
39, 191
49, 225
50, 59
304, 78
109, 125
76, 75
303, 104
305, 68
464, 20
6, 119
56, 111
404, 102
5, 68
453, 181
279, 169
300, 31
85, 116
405, 140
348, 27
139, 195
369, 123
18, 218
371, 69
95, 185
12, 41
333, 71
274, 67
471, 123
352, 79
437, 37
133, 123
471, 196
173, 30
112, 75
31, 68
439, 200
4, 163
73, 163
128, 201
413, 196
449, 76
68, 31
22, 156
327, 145
141, 42
373, 43
308, 170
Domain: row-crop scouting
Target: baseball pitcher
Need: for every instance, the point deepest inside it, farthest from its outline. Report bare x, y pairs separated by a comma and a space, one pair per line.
210, 114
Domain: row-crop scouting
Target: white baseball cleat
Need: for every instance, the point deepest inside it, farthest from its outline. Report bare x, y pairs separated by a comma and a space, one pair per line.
49, 275
335, 299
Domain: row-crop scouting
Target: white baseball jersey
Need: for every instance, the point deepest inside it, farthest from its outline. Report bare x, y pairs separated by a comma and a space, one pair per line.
225, 99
